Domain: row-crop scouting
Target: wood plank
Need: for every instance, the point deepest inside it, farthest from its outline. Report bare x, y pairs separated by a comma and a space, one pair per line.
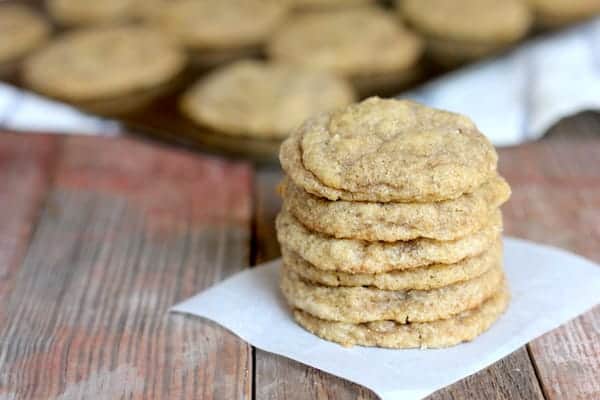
127, 231
278, 377
556, 200
26, 166
513, 377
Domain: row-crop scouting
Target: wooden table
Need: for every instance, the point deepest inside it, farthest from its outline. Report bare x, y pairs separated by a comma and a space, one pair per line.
99, 236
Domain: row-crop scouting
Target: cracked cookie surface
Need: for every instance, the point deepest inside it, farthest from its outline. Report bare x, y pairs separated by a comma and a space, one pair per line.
384, 150
443, 220
365, 304
423, 278
359, 256
441, 333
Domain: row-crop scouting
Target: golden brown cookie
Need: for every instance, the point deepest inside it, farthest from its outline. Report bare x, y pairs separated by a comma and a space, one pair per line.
359, 256
388, 150
555, 13
314, 5
103, 65
441, 333
424, 278
21, 31
467, 28
212, 30
93, 12
361, 44
442, 220
366, 304
254, 98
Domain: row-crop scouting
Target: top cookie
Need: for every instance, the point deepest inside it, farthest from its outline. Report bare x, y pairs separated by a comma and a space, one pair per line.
471, 20
223, 24
103, 62
349, 42
21, 30
388, 150
254, 98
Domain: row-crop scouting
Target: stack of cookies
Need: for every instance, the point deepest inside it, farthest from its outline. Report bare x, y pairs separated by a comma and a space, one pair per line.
390, 229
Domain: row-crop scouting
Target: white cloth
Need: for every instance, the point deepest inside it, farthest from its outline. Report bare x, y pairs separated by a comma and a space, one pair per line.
21, 110
517, 97
548, 286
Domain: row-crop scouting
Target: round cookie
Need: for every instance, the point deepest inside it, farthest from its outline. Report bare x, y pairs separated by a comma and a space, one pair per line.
473, 27
93, 12
98, 67
217, 31
358, 256
362, 44
442, 333
443, 220
366, 304
253, 98
388, 150
424, 278
453, 53
555, 13
21, 30
313, 5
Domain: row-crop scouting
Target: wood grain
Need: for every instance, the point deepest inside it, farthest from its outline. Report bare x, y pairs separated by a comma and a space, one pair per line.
25, 172
128, 230
556, 200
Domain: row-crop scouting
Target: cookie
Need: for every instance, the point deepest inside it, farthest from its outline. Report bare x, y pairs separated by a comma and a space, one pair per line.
441, 333
85, 13
223, 27
22, 30
388, 150
452, 54
425, 278
257, 99
481, 27
366, 304
103, 65
443, 220
359, 256
555, 13
331, 41
314, 5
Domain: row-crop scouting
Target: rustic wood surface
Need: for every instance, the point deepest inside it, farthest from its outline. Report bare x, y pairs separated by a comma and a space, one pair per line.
98, 237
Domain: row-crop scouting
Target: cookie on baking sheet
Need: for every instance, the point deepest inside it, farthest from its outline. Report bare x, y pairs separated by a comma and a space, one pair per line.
424, 278
258, 99
442, 220
555, 13
105, 70
21, 31
363, 44
441, 333
314, 5
384, 150
466, 29
92, 12
218, 31
359, 256
365, 304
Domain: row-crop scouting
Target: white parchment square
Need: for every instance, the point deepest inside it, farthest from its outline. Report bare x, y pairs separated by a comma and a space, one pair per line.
549, 287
